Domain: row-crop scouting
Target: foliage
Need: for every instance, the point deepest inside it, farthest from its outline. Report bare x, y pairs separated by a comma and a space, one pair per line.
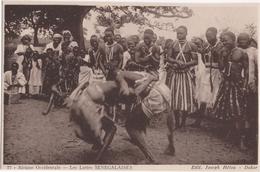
117, 16
251, 29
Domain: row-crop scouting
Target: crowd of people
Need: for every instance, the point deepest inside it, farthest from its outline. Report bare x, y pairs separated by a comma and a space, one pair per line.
216, 77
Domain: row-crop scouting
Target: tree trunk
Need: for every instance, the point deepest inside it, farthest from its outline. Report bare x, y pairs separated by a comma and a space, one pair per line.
75, 25
35, 37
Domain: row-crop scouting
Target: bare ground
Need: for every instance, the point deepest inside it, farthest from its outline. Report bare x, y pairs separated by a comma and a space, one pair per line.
31, 138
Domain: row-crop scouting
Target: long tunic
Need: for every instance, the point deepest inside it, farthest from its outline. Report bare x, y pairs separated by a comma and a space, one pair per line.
35, 81
210, 77
180, 80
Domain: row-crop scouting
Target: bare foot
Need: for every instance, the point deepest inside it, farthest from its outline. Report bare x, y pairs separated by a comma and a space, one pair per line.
96, 147
170, 150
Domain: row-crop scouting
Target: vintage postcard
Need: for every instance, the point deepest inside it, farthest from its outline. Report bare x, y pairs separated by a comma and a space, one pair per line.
129, 86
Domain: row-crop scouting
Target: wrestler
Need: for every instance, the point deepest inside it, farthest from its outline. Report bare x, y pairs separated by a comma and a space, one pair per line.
90, 119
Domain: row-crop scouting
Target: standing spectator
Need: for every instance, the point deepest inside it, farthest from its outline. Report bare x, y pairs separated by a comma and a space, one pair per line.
68, 39
55, 45
69, 68
51, 72
230, 103
243, 41
181, 57
95, 57
21, 49
147, 53
113, 53
136, 39
210, 77
123, 43
35, 81
129, 54
117, 38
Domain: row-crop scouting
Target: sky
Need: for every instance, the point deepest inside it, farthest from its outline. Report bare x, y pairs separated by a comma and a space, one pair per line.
219, 16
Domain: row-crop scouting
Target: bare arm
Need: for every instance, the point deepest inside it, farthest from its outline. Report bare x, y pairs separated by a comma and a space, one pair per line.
246, 69
194, 56
156, 54
120, 56
102, 65
169, 58
193, 62
139, 58
221, 61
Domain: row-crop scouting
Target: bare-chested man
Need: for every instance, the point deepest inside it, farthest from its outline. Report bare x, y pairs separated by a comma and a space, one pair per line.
243, 41
89, 119
147, 53
210, 76
181, 57
230, 102
113, 53
95, 55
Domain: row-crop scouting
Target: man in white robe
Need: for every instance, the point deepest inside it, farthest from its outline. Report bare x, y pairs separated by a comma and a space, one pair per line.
14, 81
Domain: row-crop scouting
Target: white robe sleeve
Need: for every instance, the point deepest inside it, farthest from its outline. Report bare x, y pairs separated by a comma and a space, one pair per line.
20, 49
7, 80
21, 79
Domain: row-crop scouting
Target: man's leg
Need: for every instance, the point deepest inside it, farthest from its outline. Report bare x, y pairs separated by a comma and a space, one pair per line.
177, 119
170, 150
200, 115
135, 127
241, 131
49, 104
110, 130
184, 115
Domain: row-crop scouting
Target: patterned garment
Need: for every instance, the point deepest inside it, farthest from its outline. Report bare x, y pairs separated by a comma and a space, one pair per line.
181, 85
181, 81
230, 102
157, 101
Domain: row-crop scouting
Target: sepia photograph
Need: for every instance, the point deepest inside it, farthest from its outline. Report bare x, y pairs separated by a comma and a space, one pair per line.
130, 84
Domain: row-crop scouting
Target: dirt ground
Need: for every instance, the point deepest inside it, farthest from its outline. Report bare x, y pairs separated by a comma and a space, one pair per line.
31, 138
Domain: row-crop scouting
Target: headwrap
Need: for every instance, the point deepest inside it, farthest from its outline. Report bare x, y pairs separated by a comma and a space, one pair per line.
57, 35
66, 33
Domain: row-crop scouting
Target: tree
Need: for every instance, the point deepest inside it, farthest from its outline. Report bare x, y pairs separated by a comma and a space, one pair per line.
117, 16
45, 18
56, 18
20, 17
